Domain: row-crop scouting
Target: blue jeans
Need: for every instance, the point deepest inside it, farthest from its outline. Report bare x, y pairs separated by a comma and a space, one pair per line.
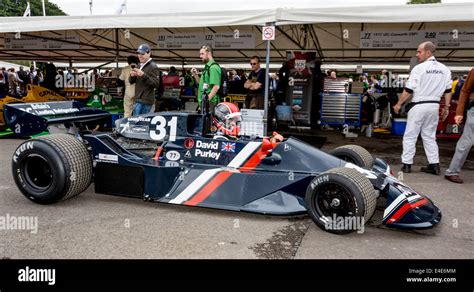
464, 145
141, 108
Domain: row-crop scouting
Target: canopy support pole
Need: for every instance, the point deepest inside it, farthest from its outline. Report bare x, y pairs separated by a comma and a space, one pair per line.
117, 51
267, 83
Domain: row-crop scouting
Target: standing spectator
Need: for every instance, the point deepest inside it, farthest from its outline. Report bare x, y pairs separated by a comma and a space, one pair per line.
172, 71
23, 76
273, 84
13, 83
211, 75
38, 77
3, 85
427, 82
255, 85
5, 76
242, 75
49, 77
373, 85
236, 76
231, 75
69, 74
31, 75
464, 145
457, 89
388, 85
454, 83
146, 79
95, 75
129, 88
188, 79
363, 79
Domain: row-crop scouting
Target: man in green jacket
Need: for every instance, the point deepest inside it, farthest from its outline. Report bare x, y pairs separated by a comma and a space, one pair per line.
211, 76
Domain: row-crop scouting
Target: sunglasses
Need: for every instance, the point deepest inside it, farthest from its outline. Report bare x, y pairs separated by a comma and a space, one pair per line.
253, 64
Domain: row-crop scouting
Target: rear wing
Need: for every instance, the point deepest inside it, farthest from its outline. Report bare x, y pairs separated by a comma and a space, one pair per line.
26, 119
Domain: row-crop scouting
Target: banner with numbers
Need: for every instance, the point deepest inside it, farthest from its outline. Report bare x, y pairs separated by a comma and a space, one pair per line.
230, 40
449, 39
20, 42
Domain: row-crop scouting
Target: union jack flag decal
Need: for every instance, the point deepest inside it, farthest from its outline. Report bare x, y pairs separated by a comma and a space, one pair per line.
228, 147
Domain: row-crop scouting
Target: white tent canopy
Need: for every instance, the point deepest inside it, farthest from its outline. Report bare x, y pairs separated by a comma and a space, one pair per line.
453, 12
334, 32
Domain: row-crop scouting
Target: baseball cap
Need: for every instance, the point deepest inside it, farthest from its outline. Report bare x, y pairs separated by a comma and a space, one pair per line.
143, 48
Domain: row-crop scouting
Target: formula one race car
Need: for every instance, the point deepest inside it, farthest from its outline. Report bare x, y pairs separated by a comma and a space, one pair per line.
35, 94
173, 157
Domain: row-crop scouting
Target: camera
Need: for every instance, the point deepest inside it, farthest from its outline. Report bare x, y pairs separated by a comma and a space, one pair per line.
133, 66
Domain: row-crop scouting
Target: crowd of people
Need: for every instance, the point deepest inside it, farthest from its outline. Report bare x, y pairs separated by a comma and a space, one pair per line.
14, 83
427, 83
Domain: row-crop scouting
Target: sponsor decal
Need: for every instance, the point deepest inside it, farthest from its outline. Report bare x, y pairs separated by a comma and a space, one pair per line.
43, 109
139, 129
188, 154
124, 127
434, 71
23, 147
300, 65
171, 164
173, 155
228, 147
108, 157
207, 145
287, 147
139, 119
48, 92
318, 180
188, 143
207, 154
209, 180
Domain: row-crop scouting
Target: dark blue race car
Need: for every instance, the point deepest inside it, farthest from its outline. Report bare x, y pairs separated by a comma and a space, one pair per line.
170, 157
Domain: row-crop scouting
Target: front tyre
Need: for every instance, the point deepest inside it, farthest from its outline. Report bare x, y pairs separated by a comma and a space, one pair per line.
52, 168
340, 200
354, 154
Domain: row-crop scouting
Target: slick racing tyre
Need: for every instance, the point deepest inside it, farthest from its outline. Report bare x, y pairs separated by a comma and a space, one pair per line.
354, 154
52, 168
340, 200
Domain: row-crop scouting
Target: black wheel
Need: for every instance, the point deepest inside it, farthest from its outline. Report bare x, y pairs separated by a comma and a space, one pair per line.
52, 168
354, 154
340, 200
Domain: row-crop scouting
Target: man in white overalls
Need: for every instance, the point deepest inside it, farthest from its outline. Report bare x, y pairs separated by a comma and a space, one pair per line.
428, 81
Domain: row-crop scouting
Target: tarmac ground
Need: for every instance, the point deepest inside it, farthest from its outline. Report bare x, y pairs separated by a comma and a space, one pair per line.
96, 226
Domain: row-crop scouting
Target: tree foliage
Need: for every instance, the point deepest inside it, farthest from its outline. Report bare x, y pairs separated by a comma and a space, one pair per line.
17, 8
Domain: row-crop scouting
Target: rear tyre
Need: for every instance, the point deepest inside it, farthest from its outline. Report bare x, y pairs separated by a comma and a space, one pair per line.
52, 168
340, 195
354, 154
